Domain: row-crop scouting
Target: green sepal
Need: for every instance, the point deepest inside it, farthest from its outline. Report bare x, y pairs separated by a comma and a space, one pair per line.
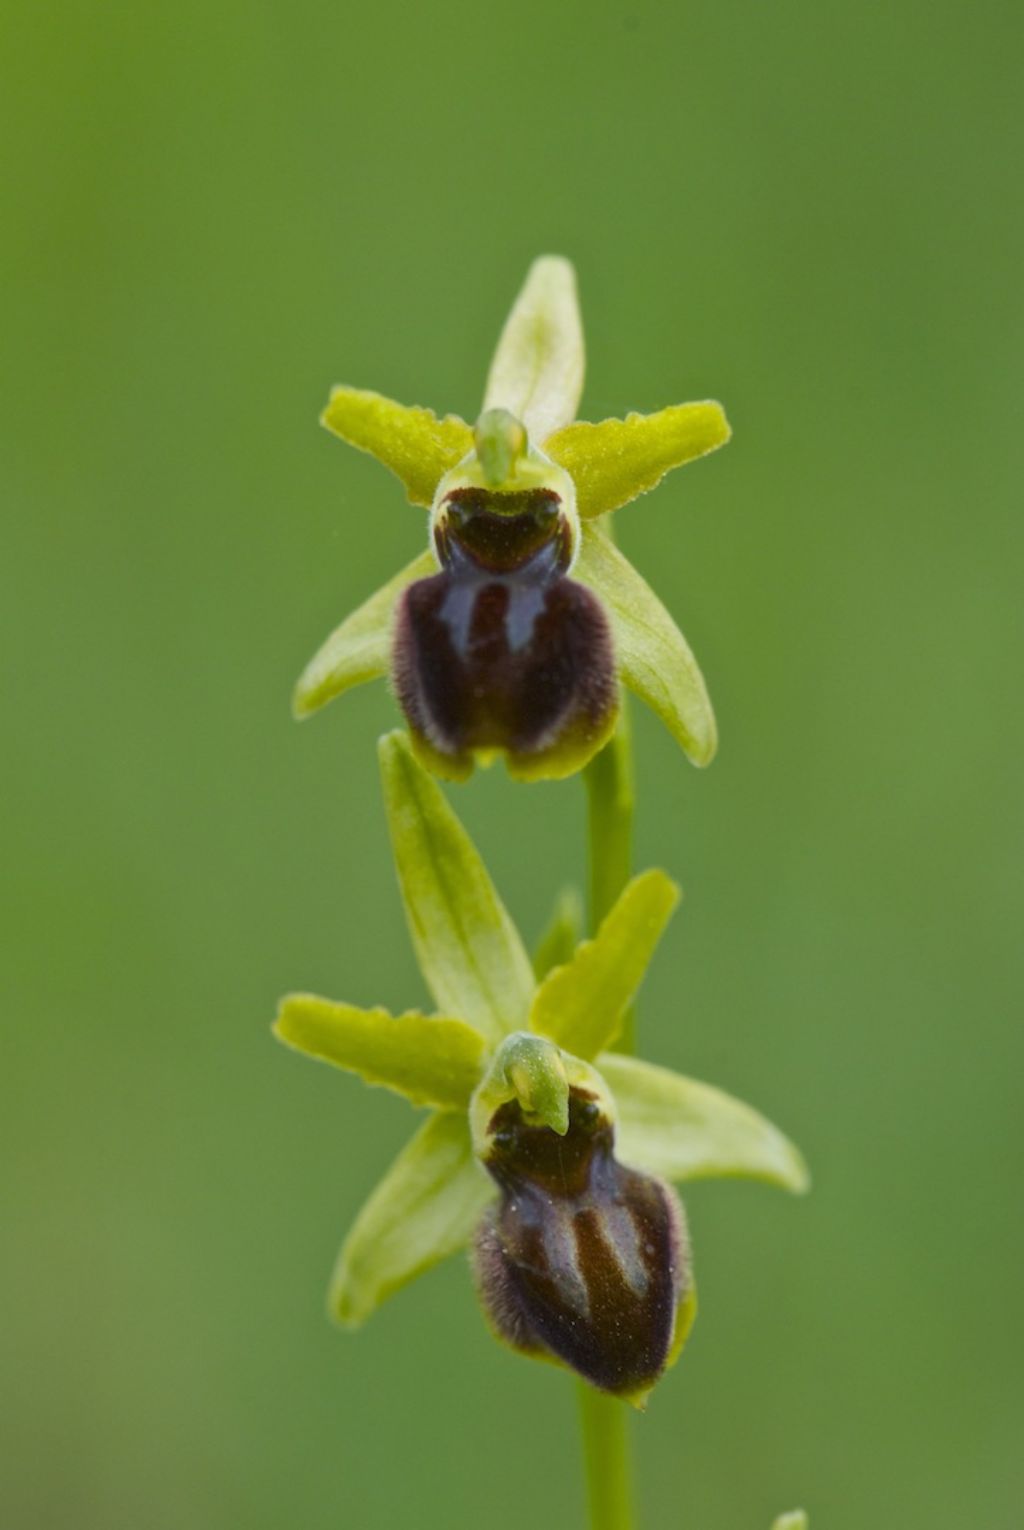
614, 461
360, 649
580, 1005
411, 442
537, 371
430, 1059
653, 656
682, 1129
425, 1208
560, 939
468, 949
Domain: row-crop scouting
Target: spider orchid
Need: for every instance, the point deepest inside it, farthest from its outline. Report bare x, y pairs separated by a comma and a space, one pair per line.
513, 632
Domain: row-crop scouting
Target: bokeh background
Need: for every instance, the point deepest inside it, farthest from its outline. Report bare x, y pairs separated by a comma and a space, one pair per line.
216, 210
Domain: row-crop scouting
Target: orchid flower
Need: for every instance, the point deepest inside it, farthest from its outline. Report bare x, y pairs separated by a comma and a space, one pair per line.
545, 1150
512, 633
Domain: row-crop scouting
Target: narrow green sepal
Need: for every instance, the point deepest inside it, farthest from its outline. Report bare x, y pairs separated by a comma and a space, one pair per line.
614, 461
430, 1059
537, 371
653, 656
360, 649
425, 1208
682, 1129
410, 441
469, 951
581, 1005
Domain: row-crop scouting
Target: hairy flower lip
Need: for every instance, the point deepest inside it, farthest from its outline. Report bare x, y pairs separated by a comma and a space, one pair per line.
517, 663
582, 1259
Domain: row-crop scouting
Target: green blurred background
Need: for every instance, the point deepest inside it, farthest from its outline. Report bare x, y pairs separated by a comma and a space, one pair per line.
216, 210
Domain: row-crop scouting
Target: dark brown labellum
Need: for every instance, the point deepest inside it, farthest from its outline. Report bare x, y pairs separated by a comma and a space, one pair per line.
582, 1258
501, 650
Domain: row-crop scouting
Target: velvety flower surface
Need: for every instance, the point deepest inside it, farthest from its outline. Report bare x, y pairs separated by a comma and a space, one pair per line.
581, 1259
543, 1148
510, 635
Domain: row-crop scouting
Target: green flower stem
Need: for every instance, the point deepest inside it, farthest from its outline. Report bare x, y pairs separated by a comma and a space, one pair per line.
603, 1420
606, 1459
609, 778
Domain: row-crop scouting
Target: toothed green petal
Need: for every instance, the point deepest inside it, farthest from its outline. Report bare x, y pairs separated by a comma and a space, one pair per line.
425, 1208
654, 658
537, 371
411, 442
580, 1005
430, 1059
616, 460
681, 1129
360, 649
468, 948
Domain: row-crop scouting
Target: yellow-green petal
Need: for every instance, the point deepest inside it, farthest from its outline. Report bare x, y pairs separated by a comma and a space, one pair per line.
468, 949
430, 1059
425, 1208
581, 1004
616, 460
537, 371
682, 1129
411, 442
653, 656
360, 649
796, 1519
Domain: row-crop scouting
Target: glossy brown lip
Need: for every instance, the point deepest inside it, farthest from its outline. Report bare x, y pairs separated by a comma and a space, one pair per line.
582, 1258
515, 661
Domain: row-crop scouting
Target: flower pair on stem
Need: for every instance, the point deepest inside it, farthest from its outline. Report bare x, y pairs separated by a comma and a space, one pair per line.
548, 1149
